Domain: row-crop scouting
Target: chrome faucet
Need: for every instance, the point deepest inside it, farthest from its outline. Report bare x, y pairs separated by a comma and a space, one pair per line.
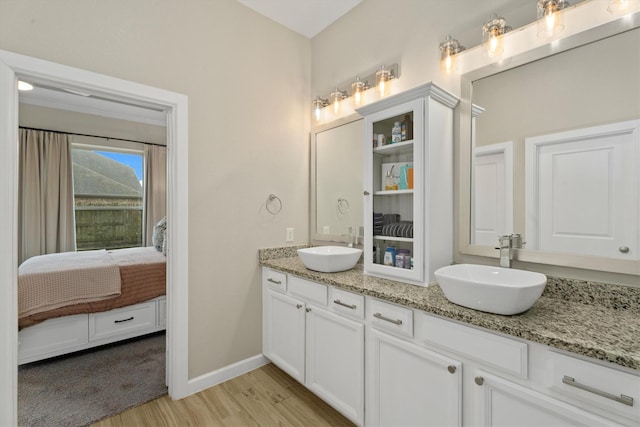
352, 238
506, 245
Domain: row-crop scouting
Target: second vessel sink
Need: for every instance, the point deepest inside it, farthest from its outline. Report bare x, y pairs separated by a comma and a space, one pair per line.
492, 289
329, 259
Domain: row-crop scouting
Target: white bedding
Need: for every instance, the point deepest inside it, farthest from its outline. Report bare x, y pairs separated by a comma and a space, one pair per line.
51, 281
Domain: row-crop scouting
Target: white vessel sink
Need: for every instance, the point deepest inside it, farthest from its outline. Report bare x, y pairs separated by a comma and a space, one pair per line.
492, 289
329, 259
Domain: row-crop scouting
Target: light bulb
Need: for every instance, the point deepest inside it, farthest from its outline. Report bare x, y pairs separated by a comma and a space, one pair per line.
550, 17
492, 34
381, 87
550, 21
335, 97
357, 88
449, 48
382, 76
493, 45
318, 104
448, 64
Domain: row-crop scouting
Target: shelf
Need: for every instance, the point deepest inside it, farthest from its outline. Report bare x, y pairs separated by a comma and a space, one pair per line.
392, 192
394, 239
393, 268
397, 148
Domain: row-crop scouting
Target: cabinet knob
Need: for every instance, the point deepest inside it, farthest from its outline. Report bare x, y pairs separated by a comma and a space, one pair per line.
451, 369
366, 193
307, 310
298, 305
479, 380
624, 249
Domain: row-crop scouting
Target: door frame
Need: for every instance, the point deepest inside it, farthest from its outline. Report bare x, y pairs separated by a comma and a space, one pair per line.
14, 66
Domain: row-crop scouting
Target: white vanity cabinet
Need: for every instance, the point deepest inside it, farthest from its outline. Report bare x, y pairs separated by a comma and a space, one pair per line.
284, 331
317, 341
409, 184
500, 402
407, 385
335, 361
383, 364
510, 382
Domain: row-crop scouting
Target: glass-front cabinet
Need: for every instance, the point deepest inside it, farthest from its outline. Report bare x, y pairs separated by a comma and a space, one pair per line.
408, 184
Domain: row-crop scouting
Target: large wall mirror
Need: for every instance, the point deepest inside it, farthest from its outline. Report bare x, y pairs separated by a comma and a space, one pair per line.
555, 155
336, 181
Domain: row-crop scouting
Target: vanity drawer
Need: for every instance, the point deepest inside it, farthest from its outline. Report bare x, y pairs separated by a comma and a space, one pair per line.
347, 303
500, 353
121, 322
275, 279
390, 318
309, 291
597, 385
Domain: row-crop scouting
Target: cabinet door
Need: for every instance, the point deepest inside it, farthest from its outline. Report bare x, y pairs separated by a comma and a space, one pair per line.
335, 361
408, 385
503, 403
283, 335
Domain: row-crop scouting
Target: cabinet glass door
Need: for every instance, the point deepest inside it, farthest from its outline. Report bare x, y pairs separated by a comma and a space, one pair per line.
394, 215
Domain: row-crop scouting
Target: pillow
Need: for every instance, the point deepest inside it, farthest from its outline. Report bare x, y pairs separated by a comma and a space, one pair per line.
164, 243
159, 232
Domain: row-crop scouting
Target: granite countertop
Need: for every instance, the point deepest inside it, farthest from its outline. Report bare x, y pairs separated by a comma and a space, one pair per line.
592, 319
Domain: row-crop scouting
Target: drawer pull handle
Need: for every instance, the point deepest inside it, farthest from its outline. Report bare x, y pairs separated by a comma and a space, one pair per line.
386, 319
123, 320
277, 282
351, 306
626, 400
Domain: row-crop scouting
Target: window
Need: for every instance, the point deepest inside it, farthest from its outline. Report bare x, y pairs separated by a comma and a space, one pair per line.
109, 197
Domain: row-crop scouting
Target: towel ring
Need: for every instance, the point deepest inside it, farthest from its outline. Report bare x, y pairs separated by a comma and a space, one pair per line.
274, 204
343, 206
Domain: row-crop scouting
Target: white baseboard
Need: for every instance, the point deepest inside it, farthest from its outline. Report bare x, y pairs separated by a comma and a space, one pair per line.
221, 375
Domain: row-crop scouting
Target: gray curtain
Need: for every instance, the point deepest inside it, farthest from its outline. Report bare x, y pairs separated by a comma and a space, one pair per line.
155, 181
45, 191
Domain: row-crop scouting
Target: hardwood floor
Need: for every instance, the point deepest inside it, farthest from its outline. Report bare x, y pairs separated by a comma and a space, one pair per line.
263, 397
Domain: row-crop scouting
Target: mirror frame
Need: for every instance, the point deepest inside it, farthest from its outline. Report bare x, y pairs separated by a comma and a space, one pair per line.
314, 237
478, 68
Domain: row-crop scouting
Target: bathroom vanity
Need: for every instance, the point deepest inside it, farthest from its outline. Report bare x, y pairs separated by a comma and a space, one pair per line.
384, 352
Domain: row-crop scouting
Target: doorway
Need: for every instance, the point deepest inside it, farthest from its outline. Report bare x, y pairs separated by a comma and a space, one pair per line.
14, 67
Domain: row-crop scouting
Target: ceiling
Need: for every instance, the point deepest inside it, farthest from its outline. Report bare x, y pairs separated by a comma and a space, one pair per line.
306, 17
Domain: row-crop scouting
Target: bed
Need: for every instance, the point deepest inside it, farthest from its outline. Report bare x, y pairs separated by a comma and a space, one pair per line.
77, 300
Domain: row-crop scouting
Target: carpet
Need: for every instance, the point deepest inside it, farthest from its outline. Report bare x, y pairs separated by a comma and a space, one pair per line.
85, 387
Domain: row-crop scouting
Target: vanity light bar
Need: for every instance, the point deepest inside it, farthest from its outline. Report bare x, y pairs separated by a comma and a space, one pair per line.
357, 86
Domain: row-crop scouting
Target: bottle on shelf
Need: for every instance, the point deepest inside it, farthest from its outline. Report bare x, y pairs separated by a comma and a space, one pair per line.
396, 133
390, 256
406, 128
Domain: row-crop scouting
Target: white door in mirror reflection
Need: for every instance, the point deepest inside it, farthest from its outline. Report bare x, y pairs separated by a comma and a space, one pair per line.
583, 188
493, 193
